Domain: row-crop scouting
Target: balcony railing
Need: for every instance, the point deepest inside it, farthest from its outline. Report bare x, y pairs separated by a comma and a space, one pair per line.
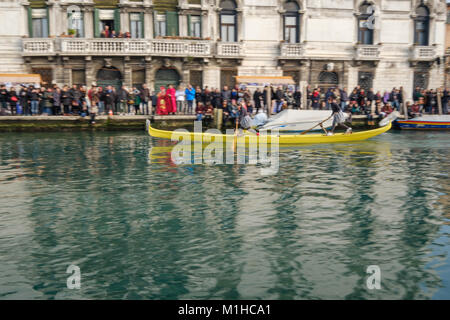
229, 49
423, 53
292, 50
367, 52
77, 46
38, 46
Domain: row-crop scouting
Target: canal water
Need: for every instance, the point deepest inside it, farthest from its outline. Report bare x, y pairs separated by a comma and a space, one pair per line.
141, 227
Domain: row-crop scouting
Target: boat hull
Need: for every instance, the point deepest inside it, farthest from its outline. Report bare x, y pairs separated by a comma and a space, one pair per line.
249, 138
422, 125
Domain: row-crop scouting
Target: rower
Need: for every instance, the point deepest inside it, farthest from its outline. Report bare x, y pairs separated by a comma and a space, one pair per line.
338, 117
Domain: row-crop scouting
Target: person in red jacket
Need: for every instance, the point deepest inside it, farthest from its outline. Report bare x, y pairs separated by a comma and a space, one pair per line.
171, 92
163, 102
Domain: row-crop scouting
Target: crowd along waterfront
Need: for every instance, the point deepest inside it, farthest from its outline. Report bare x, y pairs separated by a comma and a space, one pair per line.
140, 226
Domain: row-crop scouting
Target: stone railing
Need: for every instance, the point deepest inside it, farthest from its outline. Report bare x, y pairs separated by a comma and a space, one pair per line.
367, 52
111, 47
38, 46
292, 50
229, 49
194, 48
423, 53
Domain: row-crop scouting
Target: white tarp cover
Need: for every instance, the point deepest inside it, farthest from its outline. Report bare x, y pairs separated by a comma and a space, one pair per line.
299, 120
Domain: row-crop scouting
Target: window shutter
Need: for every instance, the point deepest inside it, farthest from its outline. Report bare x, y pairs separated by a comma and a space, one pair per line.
48, 22
30, 23
141, 15
235, 28
201, 28
96, 23
189, 25
117, 20
220, 27
172, 23
154, 24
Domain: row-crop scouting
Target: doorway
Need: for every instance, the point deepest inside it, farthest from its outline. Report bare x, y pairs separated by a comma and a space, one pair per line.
228, 78
164, 77
328, 80
109, 76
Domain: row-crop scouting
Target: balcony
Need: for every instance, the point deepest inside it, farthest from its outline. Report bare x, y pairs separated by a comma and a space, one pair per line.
229, 50
117, 47
367, 52
38, 47
423, 53
292, 50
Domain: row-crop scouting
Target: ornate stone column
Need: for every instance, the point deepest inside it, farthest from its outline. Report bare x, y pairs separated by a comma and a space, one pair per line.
127, 72
89, 71
55, 25
148, 23
89, 22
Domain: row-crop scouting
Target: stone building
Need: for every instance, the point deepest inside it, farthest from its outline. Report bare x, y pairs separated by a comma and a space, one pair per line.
447, 48
378, 43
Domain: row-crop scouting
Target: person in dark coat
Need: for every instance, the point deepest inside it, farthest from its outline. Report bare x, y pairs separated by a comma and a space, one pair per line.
24, 100
297, 99
145, 98
226, 94
216, 99
4, 97
13, 101
75, 96
257, 96
445, 98
154, 97
109, 98
57, 101
66, 100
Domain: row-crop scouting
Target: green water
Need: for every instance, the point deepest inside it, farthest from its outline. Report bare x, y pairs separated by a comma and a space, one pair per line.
140, 227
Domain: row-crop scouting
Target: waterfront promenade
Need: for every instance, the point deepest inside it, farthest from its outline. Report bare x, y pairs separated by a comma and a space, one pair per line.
105, 122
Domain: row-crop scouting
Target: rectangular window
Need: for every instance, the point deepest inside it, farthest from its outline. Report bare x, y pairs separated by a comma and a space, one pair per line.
365, 35
136, 25
106, 23
39, 23
421, 33
228, 30
160, 25
290, 29
75, 24
78, 77
195, 26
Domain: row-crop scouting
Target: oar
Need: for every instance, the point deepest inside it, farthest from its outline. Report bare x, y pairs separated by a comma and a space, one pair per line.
319, 124
235, 135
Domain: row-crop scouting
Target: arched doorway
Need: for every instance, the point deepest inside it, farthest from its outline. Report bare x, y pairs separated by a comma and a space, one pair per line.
109, 76
328, 80
164, 77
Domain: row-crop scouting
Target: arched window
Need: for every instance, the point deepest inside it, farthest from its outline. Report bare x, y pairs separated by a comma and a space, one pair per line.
421, 26
366, 23
228, 21
328, 80
291, 22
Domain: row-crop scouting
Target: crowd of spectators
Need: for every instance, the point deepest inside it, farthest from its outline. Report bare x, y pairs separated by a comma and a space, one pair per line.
79, 100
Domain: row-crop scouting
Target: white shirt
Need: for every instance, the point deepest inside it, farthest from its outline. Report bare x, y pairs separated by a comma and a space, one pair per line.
179, 94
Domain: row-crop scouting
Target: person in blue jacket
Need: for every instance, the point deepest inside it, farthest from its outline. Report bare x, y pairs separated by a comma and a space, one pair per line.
190, 96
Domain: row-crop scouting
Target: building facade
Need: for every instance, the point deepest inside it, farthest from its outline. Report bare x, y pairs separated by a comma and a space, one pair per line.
379, 43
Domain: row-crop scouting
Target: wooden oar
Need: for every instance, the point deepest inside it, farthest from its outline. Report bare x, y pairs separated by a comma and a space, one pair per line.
235, 135
319, 124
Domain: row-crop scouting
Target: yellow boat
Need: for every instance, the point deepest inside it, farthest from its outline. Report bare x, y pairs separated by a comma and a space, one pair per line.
248, 137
